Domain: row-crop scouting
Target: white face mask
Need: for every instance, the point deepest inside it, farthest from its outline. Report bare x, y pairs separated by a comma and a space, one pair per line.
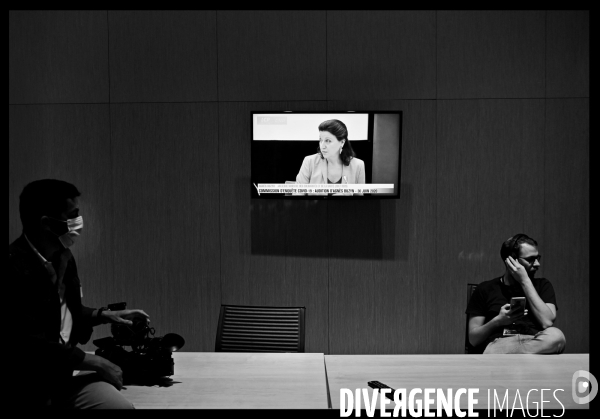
74, 227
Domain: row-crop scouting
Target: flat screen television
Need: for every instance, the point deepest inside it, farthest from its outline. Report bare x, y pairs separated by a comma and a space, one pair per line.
326, 155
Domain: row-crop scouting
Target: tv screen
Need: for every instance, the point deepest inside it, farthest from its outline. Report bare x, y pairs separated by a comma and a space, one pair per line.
326, 155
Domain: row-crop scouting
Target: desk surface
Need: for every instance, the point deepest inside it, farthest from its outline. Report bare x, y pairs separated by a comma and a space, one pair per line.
209, 380
486, 372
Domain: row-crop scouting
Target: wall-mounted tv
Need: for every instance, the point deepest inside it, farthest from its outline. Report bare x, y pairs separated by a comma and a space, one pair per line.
326, 155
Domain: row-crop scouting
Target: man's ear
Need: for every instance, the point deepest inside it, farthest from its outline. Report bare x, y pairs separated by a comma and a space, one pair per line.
44, 223
49, 225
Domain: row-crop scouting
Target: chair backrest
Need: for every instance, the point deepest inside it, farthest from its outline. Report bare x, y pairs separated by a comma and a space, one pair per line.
469, 349
260, 329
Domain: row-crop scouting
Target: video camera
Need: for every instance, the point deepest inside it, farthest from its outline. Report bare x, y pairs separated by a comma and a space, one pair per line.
150, 357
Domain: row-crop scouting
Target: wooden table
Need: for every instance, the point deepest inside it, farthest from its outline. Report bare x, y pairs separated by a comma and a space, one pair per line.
209, 380
485, 372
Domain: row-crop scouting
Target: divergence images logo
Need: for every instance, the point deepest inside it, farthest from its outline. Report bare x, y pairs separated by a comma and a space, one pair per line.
580, 386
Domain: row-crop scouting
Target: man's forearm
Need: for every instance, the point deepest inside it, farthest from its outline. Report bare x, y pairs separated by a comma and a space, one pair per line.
479, 334
90, 315
538, 307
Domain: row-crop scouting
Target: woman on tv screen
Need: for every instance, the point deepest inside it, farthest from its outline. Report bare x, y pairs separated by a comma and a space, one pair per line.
335, 161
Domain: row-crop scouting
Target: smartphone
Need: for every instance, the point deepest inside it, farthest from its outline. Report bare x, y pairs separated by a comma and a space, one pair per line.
517, 303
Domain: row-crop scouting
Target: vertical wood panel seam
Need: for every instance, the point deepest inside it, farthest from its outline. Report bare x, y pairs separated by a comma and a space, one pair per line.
326, 55
328, 284
478, 180
108, 53
545, 57
544, 215
437, 116
220, 197
435, 250
110, 153
219, 159
436, 102
544, 221
217, 50
436, 65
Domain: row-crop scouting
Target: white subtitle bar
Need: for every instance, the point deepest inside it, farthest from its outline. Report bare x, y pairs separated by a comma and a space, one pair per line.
324, 189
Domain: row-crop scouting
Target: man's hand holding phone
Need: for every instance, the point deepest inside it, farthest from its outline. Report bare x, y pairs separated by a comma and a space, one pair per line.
510, 313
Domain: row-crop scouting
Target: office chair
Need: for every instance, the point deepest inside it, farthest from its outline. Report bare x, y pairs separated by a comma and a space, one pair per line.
260, 329
470, 349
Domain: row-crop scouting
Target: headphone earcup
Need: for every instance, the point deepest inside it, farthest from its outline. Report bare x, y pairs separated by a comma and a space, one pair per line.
515, 241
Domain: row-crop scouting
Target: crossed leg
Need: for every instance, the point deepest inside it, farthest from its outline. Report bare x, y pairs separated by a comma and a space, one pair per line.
548, 341
88, 391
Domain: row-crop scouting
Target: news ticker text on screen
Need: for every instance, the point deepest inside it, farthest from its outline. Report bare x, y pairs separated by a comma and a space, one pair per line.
326, 188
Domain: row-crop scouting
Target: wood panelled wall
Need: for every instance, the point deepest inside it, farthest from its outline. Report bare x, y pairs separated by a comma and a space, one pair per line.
148, 114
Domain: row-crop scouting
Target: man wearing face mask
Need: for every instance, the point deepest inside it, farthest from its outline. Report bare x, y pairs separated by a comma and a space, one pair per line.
51, 320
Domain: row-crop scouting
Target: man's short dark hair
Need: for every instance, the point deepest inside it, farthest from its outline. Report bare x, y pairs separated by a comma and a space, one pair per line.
44, 197
511, 246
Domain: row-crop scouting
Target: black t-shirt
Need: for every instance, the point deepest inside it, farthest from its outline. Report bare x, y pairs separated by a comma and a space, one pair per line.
490, 296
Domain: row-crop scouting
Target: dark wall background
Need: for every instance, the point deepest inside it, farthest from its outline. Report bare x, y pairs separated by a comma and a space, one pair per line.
147, 113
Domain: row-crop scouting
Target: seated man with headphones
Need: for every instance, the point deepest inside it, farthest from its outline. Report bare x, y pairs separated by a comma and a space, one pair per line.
496, 326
